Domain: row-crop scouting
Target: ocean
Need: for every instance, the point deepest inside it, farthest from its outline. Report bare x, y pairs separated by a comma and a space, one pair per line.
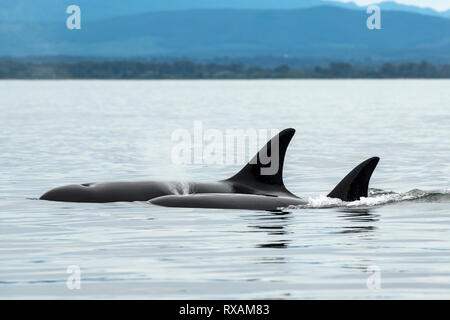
395, 244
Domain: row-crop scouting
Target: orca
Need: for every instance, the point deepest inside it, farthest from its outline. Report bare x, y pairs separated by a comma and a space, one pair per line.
249, 189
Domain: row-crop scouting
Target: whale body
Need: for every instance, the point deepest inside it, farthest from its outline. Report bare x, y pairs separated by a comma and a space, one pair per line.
251, 188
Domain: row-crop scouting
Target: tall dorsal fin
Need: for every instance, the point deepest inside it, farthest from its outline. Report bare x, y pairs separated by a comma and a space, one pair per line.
355, 184
265, 170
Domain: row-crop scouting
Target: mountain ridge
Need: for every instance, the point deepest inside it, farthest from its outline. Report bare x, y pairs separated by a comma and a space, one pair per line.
318, 32
55, 10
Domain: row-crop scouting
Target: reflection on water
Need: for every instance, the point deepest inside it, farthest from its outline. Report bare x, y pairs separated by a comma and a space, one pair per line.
363, 223
274, 224
263, 260
361, 218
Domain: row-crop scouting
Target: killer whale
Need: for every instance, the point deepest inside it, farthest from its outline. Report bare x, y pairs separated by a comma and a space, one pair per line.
250, 188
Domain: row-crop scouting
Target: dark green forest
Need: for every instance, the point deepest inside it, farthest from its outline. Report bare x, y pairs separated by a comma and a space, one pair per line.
126, 69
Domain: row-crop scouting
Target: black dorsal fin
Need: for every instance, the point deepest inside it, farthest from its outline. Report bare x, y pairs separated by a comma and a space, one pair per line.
355, 184
265, 171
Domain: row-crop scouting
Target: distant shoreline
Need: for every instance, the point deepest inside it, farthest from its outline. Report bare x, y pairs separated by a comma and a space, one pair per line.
185, 70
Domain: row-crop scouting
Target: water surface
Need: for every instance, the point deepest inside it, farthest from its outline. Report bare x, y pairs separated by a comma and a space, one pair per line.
60, 132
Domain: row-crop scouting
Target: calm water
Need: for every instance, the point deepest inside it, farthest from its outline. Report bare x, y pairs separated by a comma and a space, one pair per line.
59, 132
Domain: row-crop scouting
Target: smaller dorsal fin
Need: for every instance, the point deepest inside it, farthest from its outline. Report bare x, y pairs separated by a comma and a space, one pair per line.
355, 184
265, 170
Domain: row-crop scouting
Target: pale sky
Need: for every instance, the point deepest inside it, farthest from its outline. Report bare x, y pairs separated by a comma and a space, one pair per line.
440, 5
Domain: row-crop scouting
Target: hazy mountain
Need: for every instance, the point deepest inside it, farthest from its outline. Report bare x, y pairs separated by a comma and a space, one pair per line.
55, 10
316, 32
393, 6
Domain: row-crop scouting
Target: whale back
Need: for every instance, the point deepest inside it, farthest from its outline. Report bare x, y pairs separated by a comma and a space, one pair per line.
227, 201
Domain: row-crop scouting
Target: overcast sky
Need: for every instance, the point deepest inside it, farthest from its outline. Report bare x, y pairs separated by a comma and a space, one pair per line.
440, 5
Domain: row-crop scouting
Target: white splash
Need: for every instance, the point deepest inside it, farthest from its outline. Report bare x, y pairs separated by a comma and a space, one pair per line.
324, 202
376, 197
179, 188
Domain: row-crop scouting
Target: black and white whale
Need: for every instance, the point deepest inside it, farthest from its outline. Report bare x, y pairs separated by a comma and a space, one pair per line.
250, 188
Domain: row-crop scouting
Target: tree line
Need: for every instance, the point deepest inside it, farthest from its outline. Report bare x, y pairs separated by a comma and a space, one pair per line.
127, 69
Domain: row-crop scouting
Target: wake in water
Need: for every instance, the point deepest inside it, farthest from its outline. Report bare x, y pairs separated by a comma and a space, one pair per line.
377, 197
